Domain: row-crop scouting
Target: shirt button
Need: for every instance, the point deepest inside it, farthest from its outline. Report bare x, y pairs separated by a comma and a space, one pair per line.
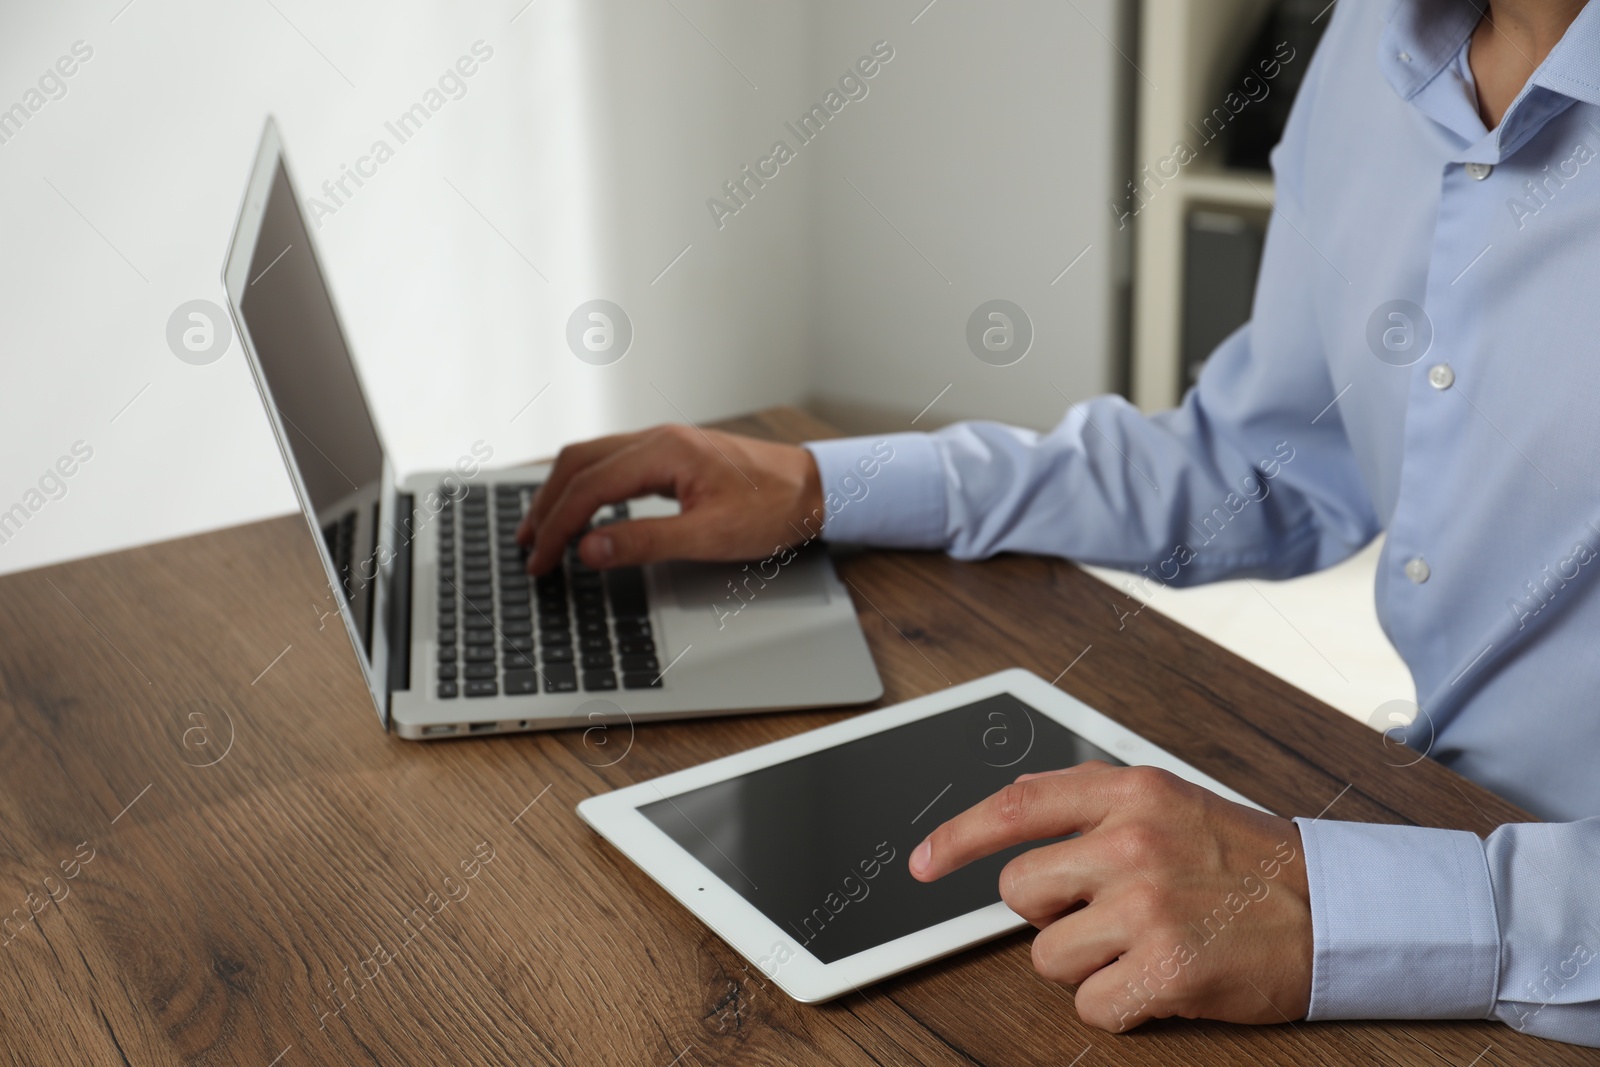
1440, 376
1480, 171
1417, 569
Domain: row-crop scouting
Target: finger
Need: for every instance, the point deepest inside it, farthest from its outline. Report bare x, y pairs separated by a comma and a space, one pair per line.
1126, 993
1018, 813
1087, 765
628, 472
639, 541
1044, 883
569, 462
1074, 947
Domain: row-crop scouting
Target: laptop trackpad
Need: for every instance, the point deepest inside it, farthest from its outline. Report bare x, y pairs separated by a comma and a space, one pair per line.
764, 584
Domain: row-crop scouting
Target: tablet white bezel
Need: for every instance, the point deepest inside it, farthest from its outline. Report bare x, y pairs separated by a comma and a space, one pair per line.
761, 941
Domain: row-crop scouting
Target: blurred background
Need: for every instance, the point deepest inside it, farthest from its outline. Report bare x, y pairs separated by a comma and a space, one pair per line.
1021, 150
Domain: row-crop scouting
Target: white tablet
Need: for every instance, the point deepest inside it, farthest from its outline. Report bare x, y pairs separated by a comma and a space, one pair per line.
795, 852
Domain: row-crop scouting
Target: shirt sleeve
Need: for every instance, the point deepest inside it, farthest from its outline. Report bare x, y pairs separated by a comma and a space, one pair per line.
1252, 475
1415, 923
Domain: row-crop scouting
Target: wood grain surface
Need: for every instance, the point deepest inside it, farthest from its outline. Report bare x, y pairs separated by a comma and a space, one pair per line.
271, 880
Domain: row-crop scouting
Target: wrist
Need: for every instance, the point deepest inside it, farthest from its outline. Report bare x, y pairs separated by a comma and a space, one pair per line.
811, 508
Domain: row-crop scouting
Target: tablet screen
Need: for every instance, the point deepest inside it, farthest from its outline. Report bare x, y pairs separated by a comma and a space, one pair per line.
819, 844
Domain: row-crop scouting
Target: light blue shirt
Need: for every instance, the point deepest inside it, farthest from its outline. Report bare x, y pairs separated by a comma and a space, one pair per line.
1470, 432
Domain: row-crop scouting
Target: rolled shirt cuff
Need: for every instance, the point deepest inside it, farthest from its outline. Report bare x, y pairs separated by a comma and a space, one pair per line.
887, 490
1403, 922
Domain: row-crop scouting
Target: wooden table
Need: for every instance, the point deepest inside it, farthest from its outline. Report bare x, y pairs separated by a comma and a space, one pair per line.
185, 715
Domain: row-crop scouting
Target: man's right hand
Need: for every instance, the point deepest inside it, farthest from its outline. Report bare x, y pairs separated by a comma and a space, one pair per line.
739, 498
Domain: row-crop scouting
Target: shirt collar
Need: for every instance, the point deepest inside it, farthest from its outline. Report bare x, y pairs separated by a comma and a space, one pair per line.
1424, 36
1573, 66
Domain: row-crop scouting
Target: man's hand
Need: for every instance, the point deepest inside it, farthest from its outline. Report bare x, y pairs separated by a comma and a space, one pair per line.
1173, 901
740, 498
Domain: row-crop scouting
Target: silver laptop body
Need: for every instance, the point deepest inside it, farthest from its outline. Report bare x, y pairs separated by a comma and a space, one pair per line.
452, 638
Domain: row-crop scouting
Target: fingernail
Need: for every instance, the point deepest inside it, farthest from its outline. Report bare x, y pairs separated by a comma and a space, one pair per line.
601, 548
921, 857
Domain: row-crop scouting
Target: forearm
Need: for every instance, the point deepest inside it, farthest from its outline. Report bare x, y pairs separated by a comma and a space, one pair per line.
1419, 923
1171, 494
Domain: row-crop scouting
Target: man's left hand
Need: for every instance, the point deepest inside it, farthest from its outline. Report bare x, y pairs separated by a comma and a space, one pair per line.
1171, 901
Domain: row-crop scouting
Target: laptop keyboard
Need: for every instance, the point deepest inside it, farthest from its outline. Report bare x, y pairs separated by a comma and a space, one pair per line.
502, 632
340, 537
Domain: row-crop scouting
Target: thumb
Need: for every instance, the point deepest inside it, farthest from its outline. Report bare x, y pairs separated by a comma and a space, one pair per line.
639, 541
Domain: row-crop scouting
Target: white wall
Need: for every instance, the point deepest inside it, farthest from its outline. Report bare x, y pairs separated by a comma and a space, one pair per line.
992, 143
585, 151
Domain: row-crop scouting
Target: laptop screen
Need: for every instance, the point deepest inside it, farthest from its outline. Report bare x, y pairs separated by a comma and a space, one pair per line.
325, 418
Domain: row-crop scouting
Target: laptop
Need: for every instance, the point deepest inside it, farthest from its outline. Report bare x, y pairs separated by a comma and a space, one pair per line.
451, 634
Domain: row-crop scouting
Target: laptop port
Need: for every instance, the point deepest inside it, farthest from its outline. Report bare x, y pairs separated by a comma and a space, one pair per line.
482, 727
436, 731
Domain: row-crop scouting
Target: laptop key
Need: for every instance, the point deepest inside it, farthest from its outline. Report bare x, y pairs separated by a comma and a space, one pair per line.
479, 637
448, 654
516, 628
593, 628
520, 683
640, 663
478, 670
447, 672
635, 646
482, 687
555, 637
479, 654
625, 588
447, 690
560, 678
595, 661
633, 627
515, 611
641, 680
599, 681
447, 635
517, 661
595, 643
556, 653
517, 644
